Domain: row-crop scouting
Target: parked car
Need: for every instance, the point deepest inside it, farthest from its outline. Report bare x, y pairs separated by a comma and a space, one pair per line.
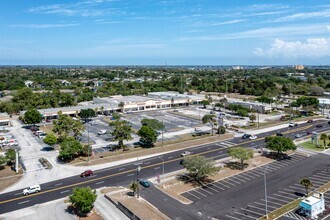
198, 129
319, 126
328, 122
102, 132
309, 132
279, 134
185, 153
87, 173
145, 183
252, 137
310, 121
32, 189
246, 136
93, 123
298, 136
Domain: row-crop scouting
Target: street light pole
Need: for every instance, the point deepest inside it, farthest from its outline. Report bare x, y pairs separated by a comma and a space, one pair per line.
266, 192
88, 152
163, 133
163, 168
137, 181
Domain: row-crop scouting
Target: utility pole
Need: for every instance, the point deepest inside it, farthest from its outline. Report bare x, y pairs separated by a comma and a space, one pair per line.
88, 145
137, 181
258, 117
163, 133
163, 167
266, 192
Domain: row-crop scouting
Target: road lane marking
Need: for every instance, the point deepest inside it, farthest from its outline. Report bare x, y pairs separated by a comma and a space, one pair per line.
268, 204
23, 202
156, 168
18, 194
131, 174
99, 183
169, 157
65, 191
58, 184
121, 169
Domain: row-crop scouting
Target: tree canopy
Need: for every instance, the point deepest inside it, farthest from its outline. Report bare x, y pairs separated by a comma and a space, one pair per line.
32, 116
199, 167
152, 123
83, 199
69, 149
122, 131
87, 113
50, 139
241, 153
148, 136
280, 144
210, 119
306, 183
64, 125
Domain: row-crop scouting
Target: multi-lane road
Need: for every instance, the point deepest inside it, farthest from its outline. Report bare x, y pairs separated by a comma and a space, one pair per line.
124, 174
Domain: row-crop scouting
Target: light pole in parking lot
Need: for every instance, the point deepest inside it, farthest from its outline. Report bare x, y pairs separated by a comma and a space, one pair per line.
163, 133
163, 167
266, 192
88, 150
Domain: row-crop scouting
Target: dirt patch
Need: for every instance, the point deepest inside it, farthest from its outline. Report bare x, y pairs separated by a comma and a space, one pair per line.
175, 187
47, 129
138, 152
139, 207
8, 177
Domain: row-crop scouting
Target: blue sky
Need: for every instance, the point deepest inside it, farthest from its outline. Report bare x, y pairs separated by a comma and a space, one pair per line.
153, 32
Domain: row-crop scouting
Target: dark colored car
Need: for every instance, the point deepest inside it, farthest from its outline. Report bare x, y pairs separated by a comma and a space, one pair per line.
310, 121
309, 132
145, 183
328, 122
319, 126
279, 134
48, 148
87, 173
246, 136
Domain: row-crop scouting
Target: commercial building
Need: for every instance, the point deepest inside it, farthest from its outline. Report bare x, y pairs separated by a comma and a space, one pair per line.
4, 119
255, 106
125, 104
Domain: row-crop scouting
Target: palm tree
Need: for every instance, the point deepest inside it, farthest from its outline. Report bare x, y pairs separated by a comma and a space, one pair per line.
102, 110
307, 184
133, 186
209, 119
324, 138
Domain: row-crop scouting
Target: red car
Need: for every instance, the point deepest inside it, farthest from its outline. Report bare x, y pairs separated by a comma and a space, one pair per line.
87, 173
310, 121
309, 132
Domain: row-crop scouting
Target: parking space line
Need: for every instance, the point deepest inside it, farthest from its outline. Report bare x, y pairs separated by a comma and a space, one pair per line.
271, 203
198, 193
275, 202
222, 184
193, 195
281, 200
216, 186
272, 168
256, 207
169, 157
278, 165
326, 172
156, 168
294, 187
316, 179
290, 190
244, 177
228, 182
275, 194
147, 162
244, 215
323, 176
256, 213
231, 179
286, 193
253, 172
267, 204
205, 191
235, 177
209, 187
229, 216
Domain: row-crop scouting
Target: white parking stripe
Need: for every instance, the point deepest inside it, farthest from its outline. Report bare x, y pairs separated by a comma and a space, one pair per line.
256, 213
323, 177
206, 191
272, 168
222, 184
254, 173
257, 207
130, 174
209, 187
17, 194
291, 190
236, 177
244, 177
286, 193
258, 203
281, 200
229, 216
244, 215
317, 179
228, 182
288, 197
198, 193
231, 179
298, 188
213, 184
193, 195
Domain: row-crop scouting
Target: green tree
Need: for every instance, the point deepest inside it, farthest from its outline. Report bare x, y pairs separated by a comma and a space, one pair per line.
3, 161
50, 139
134, 186
116, 116
242, 112
306, 183
221, 130
148, 136
10, 156
121, 105
205, 103
77, 128
32, 116
83, 199
209, 119
152, 123
65, 125
70, 148
324, 138
199, 167
252, 117
122, 131
87, 113
280, 144
264, 99
308, 101
241, 153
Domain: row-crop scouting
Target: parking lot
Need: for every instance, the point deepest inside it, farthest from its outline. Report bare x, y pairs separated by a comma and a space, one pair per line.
255, 208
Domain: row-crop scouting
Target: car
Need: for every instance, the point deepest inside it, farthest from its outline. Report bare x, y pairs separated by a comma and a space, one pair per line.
252, 137
309, 132
198, 129
310, 121
175, 110
279, 134
293, 124
102, 132
319, 126
298, 136
93, 123
48, 120
87, 173
32, 189
185, 153
145, 183
246, 136
328, 122
48, 148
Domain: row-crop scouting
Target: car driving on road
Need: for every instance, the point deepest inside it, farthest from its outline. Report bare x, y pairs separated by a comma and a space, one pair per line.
32, 189
145, 183
246, 136
252, 137
185, 153
293, 124
298, 136
102, 132
87, 173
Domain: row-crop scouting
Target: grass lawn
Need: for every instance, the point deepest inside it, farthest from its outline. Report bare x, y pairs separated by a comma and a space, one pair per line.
310, 146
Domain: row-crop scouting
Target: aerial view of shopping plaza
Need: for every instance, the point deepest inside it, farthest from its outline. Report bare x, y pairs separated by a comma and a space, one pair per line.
159, 110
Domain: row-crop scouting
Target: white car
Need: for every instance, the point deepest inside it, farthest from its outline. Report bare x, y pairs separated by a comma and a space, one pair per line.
102, 132
186, 153
298, 136
31, 189
252, 137
198, 129
293, 125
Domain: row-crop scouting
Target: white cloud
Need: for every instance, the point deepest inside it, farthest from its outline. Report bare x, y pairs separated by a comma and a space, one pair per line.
227, 22
43, 25
311, 48
305, 15
328, 27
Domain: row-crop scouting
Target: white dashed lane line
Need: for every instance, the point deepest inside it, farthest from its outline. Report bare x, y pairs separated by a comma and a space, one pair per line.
58, 184
24, 202
65, 191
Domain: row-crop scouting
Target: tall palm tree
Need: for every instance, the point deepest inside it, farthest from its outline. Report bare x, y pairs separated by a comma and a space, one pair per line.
324, 138
306, 183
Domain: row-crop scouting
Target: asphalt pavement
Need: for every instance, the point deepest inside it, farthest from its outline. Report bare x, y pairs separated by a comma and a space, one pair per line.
124, 174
